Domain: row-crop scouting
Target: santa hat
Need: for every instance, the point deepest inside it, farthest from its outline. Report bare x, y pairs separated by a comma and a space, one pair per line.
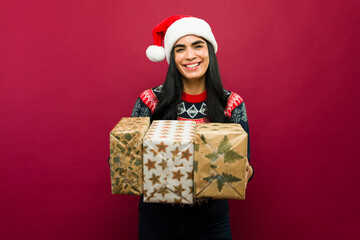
172, 29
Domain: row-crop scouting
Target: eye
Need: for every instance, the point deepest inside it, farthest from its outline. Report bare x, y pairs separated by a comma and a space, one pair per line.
198, 46
179, 50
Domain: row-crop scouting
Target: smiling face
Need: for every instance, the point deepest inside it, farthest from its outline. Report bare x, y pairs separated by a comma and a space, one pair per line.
191, 57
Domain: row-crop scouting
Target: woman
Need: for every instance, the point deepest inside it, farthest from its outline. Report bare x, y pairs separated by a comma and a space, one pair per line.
192, 91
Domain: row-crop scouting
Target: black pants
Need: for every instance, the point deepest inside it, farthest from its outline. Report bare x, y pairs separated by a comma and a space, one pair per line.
215, 229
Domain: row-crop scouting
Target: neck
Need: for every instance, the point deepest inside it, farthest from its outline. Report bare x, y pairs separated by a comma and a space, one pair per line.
194, 87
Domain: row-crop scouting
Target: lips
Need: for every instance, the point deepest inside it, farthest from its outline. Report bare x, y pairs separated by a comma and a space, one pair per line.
192, 65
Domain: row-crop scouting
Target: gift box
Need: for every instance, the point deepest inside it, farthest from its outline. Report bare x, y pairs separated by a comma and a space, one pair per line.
220, 161
168, 162
126, 155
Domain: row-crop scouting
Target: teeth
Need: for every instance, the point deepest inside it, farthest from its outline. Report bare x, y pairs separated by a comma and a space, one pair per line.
192, 65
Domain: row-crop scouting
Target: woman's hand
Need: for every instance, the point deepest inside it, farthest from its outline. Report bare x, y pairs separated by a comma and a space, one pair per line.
249, 171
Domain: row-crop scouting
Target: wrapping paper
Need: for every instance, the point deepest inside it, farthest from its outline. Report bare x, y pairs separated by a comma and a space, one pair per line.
168, 162
220, 161
126, 155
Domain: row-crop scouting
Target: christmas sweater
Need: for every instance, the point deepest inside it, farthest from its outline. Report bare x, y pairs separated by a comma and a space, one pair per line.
191, 108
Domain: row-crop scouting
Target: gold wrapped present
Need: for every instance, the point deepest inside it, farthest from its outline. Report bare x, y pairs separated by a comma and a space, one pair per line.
220, 161
168, 162
126, 155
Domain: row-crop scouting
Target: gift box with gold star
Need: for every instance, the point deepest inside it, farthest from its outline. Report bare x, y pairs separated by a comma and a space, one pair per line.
220, 161
126, 155
168, 162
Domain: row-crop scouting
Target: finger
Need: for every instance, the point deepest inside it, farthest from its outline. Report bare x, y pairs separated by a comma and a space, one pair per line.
250, 173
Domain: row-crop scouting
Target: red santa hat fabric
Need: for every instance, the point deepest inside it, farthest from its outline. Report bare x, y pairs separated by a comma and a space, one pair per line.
172, 29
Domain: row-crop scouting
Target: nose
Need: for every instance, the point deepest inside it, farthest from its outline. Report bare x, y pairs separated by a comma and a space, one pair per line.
190, 54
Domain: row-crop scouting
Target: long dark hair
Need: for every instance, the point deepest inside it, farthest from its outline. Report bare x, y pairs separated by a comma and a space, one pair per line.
170, 96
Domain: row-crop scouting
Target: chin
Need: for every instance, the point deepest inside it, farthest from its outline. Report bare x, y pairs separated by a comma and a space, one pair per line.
193, 78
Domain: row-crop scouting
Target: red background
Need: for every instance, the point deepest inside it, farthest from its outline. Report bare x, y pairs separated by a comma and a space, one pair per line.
69, 70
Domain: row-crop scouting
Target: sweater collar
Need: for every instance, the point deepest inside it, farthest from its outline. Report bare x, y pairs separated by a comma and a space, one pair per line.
194, 98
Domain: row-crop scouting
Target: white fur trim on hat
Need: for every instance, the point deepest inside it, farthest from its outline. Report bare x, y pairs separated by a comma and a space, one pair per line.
187, 26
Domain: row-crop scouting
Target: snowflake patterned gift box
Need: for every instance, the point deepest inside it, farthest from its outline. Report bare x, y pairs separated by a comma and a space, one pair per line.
220, 161
126, 155
168, 162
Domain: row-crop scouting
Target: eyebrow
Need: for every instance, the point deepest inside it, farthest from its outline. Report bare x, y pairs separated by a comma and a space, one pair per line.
193, 44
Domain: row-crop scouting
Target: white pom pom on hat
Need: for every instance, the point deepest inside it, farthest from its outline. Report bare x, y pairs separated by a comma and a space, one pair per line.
172, 29
155, 53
